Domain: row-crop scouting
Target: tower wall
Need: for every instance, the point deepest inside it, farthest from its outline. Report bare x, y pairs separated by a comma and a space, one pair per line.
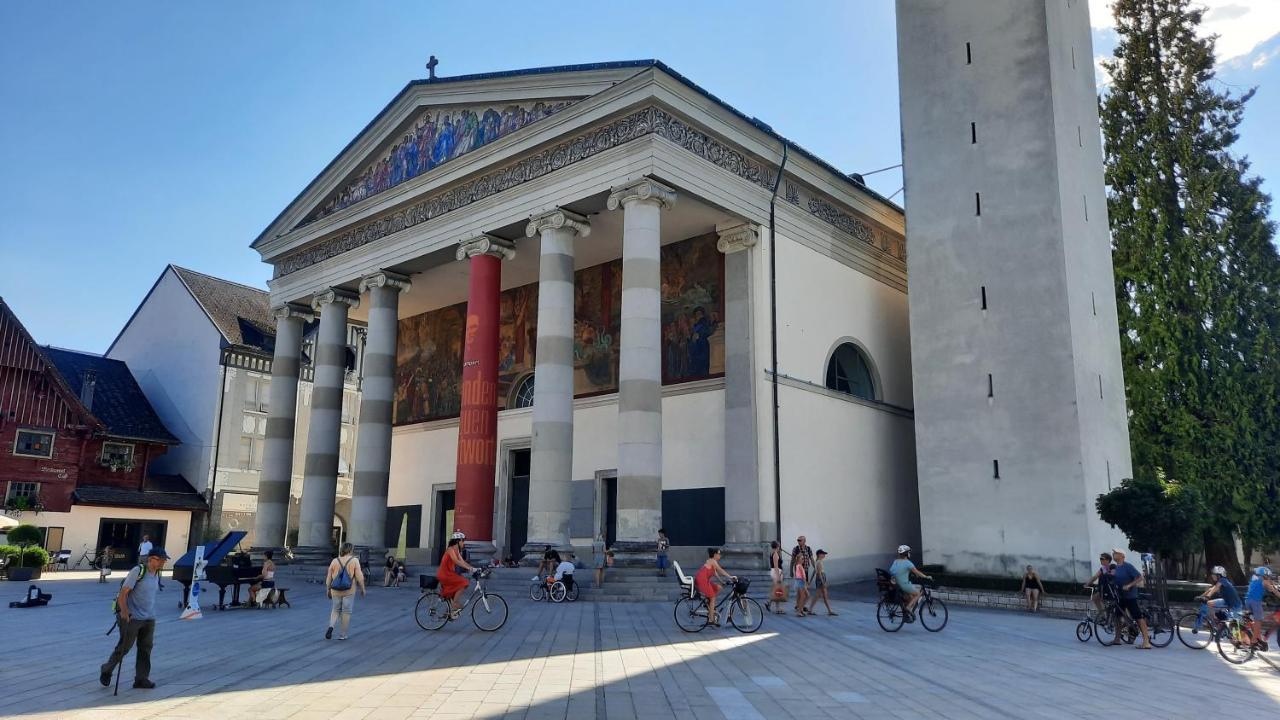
1015, 345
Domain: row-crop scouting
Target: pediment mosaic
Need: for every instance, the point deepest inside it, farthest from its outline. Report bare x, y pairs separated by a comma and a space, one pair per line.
435, 136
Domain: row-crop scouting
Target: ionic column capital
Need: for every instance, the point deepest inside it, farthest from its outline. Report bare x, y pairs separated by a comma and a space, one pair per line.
292, 310
486, 245
556, 219
329, 296
384, 278
735, 236
642, 190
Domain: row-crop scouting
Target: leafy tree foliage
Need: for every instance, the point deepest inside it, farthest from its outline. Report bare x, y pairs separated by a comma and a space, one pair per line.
1197, 277
1154, 515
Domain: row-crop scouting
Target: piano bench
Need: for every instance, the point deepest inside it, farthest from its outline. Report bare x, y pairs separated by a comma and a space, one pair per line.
277, 598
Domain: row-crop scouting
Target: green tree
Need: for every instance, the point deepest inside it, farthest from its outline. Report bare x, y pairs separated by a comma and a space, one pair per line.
25, 535
1154, 515
1196, 274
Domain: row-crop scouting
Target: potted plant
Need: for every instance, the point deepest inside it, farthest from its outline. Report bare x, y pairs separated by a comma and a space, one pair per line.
25, 552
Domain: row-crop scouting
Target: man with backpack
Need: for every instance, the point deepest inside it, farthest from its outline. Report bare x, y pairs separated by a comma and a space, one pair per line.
135, 608
340, 586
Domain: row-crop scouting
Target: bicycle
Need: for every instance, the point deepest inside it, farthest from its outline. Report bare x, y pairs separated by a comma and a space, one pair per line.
1116, 626
892, 612
1197, 629
432, 612
1235, 643
1084, 629
95, 561
692, 612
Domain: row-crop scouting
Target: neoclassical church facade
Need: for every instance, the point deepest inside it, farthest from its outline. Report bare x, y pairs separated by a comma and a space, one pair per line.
599, 302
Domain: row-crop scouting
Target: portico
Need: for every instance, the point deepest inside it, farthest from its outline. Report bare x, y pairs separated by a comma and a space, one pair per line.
569, 322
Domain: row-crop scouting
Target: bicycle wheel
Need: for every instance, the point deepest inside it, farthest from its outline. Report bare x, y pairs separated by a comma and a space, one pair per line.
1106, 630
537, 591
691, 614
890, 615
489, 612
557, 591
1233, 645
1160, 627
572, 595
1084, 631
933, 614
746, 614
431, 612
1194, 632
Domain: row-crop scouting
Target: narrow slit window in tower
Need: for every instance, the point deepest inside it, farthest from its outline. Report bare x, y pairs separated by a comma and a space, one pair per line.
1099, 386
995, 469
1093, 298
984, 297
1073, 57
977, 205
991, 386
968, 53
1086, 207
973, 133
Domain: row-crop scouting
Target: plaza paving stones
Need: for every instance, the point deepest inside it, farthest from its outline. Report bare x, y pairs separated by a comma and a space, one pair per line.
597, 660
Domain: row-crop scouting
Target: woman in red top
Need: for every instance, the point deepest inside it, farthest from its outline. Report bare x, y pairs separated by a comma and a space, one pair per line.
451, 583
702, 581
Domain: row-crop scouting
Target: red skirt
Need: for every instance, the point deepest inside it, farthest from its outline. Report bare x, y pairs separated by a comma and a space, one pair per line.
702, 581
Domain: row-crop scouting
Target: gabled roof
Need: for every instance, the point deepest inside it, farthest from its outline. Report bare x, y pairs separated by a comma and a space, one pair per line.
117, 400
638, 65
19, 350
241, 313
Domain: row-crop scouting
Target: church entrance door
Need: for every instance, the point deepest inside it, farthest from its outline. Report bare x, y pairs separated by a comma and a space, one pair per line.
518, 506
609, 509
443, 523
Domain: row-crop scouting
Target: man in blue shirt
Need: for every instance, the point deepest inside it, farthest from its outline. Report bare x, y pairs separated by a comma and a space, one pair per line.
1127, 581
136, 606
1227, 595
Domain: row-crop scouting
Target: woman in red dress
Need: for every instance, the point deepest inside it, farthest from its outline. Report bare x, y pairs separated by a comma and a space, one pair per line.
702, 581
451, 583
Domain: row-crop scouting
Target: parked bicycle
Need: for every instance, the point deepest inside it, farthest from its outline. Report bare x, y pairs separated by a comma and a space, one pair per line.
744, 613
892, 612
1115, 626
95, 560
488, 610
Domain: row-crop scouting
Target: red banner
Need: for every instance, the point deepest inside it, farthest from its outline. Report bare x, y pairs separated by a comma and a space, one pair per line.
478, 422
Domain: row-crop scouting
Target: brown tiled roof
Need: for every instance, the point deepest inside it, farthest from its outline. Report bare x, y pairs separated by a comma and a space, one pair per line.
241, 313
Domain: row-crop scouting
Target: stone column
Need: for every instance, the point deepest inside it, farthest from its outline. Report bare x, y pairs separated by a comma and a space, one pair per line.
640, 371
320, 469
551, 463
744, 547
478, 420
377, 392
272, 515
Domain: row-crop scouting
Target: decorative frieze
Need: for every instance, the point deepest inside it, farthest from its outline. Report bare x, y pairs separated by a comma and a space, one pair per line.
651, 120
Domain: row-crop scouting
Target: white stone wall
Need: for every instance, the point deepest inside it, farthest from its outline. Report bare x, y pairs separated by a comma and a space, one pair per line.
82, 523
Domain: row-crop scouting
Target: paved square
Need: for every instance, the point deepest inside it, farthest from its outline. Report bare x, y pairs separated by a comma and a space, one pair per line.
596, 660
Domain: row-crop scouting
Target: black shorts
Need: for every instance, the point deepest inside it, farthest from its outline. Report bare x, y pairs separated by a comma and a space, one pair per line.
1130, 605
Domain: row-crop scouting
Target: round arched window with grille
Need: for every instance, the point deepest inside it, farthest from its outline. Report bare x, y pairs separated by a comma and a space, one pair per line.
523, 395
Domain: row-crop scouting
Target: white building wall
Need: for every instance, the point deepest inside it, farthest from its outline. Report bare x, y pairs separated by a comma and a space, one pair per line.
172, 349
847, 468
82, 523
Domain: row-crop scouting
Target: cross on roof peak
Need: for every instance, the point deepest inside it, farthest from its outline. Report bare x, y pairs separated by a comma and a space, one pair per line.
431, 67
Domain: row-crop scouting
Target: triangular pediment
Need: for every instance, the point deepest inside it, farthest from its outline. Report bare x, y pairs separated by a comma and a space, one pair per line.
431, 137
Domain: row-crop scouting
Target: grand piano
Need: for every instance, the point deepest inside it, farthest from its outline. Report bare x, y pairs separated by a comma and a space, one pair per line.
224, 569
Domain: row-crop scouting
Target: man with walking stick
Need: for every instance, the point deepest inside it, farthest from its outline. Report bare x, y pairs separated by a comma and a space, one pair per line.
136, 618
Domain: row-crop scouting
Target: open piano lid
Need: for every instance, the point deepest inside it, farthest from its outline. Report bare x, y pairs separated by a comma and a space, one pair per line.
214, 551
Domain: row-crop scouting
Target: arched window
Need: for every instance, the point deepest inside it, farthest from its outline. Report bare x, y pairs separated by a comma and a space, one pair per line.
523, 396
849, 372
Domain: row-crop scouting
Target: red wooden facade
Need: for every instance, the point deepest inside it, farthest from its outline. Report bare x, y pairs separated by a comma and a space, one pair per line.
33, 396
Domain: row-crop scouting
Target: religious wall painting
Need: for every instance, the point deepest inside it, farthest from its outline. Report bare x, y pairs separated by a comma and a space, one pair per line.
429, 352
434, 137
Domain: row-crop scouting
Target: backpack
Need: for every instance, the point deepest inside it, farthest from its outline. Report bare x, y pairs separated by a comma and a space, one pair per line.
341, 581
115, 601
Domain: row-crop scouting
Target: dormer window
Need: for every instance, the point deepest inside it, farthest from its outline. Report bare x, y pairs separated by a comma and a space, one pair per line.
117, 456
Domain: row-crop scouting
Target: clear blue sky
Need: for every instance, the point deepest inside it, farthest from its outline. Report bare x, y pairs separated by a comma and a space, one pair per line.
138, 134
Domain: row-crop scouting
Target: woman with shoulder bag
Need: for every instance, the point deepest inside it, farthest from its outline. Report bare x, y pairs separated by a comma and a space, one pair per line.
340, 586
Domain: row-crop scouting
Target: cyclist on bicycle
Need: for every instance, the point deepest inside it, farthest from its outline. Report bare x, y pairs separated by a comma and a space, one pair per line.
1226, 594
452, 585
1259, 585
702, 581
902, 569
1128, 579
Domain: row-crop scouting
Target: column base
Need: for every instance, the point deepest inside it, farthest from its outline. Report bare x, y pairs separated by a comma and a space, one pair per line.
480, 553
313, 555
745, 556
532, 553
635, 554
